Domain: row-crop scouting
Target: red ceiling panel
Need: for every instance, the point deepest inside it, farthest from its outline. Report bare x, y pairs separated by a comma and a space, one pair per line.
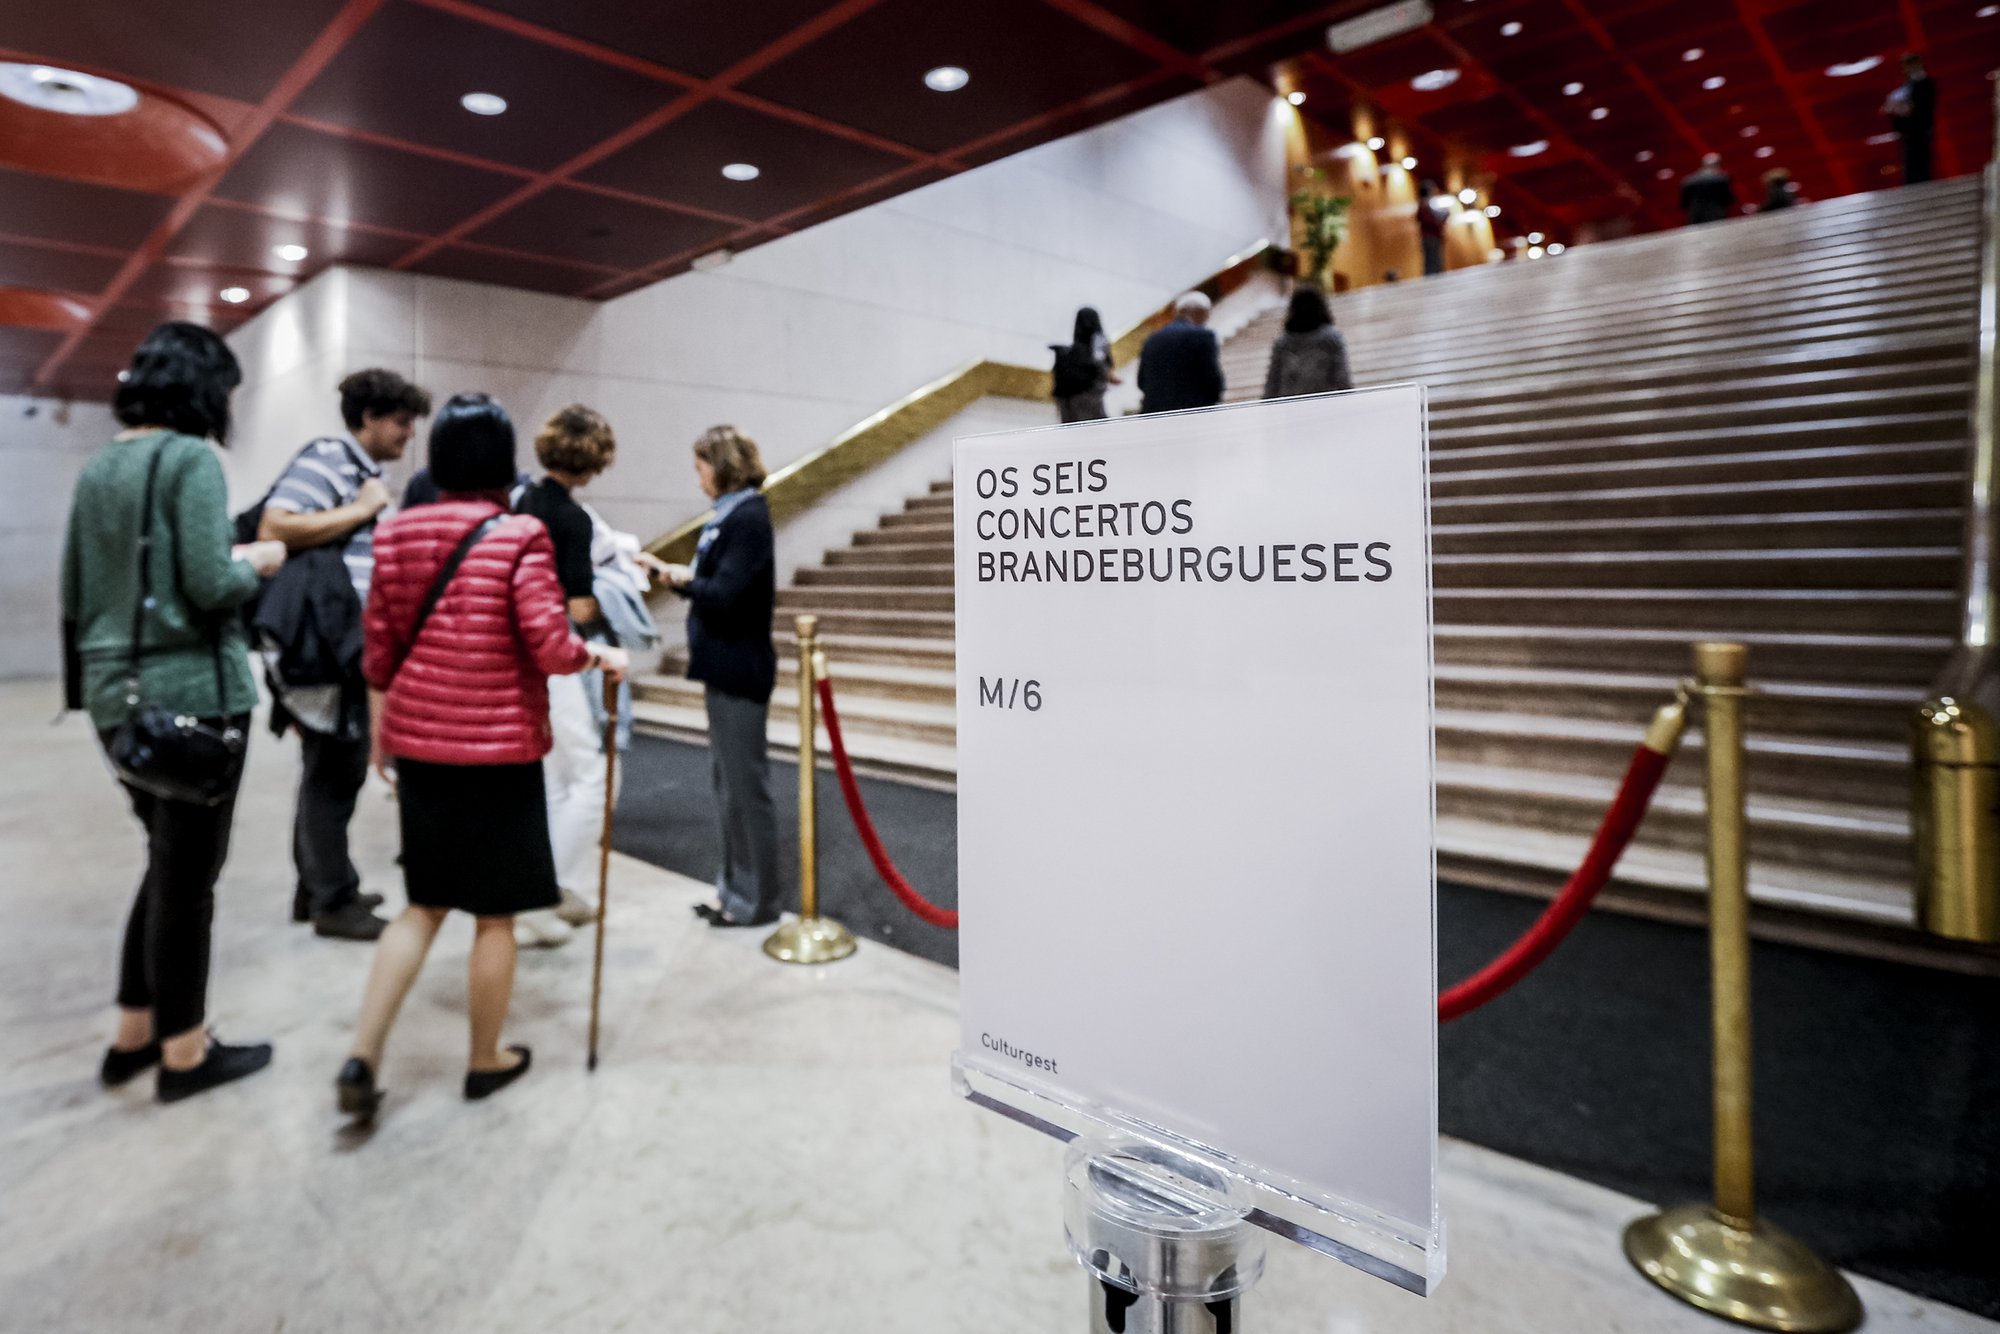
615, 234
305, 173
405, 71
230, 236
1029, 59
605, 172
682, 162
237, 48
696, 37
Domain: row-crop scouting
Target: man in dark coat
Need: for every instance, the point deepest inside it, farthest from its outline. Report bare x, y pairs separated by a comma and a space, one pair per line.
1181, 365
1912, 112
1708, 196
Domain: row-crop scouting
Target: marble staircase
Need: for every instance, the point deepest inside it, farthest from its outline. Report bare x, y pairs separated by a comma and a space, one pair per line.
1754, 429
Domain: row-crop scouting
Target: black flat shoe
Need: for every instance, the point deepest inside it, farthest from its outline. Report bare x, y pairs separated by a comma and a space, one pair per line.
122, 1066
223, 1064
356, 1091
722, 919
350, 921
302, 908
485, 1083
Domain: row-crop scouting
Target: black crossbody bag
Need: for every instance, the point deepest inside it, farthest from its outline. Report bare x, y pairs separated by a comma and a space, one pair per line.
172, 755
443, 580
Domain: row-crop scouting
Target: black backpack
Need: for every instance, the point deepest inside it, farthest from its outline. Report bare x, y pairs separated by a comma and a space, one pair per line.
1076, 369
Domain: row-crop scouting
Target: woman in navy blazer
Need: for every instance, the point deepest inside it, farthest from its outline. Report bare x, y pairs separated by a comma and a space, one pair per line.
731, 587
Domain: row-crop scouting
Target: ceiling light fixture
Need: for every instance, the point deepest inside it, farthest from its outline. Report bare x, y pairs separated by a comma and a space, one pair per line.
1849, 68
1643, 155
1693, 53
1532, 149
1378, 143
713, 260
1511, 29
741, 171
1492, 210
1534, 252
1296, 97
1468, 196
1435, 80
1766, 151
71, 92
291, 254
1748, 131
235, 296
946, 79
483, 104
1572, 89
1713, 82
1556, 247
1665, 173
1986, 11
1599, 113
1534, 238
1409, 164
1887, 137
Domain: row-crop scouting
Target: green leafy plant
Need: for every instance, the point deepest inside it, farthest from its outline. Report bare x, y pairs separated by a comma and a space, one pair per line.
1322, 219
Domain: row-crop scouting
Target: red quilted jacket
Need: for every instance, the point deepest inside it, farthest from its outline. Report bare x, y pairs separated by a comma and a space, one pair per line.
474, 689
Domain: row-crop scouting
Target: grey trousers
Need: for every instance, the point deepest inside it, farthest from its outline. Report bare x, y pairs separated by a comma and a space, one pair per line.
748, 885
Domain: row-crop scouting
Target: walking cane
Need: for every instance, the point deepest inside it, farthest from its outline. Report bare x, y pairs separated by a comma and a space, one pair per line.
604, 858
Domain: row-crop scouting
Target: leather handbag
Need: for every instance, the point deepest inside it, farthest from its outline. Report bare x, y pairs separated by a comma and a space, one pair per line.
174, 756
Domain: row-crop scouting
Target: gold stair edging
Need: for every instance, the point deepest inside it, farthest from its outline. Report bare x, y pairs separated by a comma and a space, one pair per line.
801, 484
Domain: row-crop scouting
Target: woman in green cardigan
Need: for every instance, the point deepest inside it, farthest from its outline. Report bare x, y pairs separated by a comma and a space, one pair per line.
191, 659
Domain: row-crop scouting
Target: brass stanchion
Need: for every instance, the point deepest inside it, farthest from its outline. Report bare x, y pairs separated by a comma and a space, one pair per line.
1955, 794
809, 938
1723, 1259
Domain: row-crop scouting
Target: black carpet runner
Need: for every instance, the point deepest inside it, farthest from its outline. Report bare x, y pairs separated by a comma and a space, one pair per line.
1878, 1085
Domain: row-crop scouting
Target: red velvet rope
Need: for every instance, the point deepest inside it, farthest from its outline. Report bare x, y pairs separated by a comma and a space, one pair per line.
865, 827
1536, 944
1520, 958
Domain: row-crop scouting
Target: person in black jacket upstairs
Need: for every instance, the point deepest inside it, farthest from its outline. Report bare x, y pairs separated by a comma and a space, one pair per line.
1180, 366
731, 587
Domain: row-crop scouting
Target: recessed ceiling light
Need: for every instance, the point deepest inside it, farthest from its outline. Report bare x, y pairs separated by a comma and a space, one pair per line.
714, 259
483, 104
1556, 247
1531, 149
946, 79
1748, 131
1534, 252
741, 171
1296, 97
1431, 81
291, 254
1572, 89
1468, 196
1887, 137
235, 296
1511, 29
1665, 173
1409, 164
1378, 143
1848, 68
1693, 53
71, 92
1766, 151
1713, 82
1986, 11
1492, 210
1599, 113
1534, 238
1643, 155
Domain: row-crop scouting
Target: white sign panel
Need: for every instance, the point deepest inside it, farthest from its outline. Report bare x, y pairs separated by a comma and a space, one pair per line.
1196, 869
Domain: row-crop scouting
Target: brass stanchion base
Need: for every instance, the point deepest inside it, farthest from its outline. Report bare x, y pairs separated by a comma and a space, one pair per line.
1763, 1277
809, 940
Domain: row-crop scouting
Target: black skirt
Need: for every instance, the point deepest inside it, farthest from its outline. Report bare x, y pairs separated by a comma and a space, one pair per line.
476, 837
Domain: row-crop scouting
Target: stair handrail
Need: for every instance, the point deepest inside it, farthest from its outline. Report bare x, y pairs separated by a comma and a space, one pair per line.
801, 484
1956, 733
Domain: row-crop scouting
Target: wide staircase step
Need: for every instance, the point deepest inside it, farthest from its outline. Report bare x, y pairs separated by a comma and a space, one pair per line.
1756, 432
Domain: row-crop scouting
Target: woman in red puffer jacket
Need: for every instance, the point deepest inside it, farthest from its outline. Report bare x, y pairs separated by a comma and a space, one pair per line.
461, 714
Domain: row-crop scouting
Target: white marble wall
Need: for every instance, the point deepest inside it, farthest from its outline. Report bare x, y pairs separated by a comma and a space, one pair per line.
799, 339
43, 445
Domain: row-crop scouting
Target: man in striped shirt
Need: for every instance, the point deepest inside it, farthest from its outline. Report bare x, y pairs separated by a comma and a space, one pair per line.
332, 494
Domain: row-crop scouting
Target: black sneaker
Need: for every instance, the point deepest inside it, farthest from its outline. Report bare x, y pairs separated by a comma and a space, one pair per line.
223, 1064
350, 921
121, 1067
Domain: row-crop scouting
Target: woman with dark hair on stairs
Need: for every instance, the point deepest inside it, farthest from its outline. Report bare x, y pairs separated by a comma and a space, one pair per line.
1310, 356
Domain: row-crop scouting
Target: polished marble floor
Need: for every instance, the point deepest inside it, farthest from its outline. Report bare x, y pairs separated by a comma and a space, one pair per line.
762, 1148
